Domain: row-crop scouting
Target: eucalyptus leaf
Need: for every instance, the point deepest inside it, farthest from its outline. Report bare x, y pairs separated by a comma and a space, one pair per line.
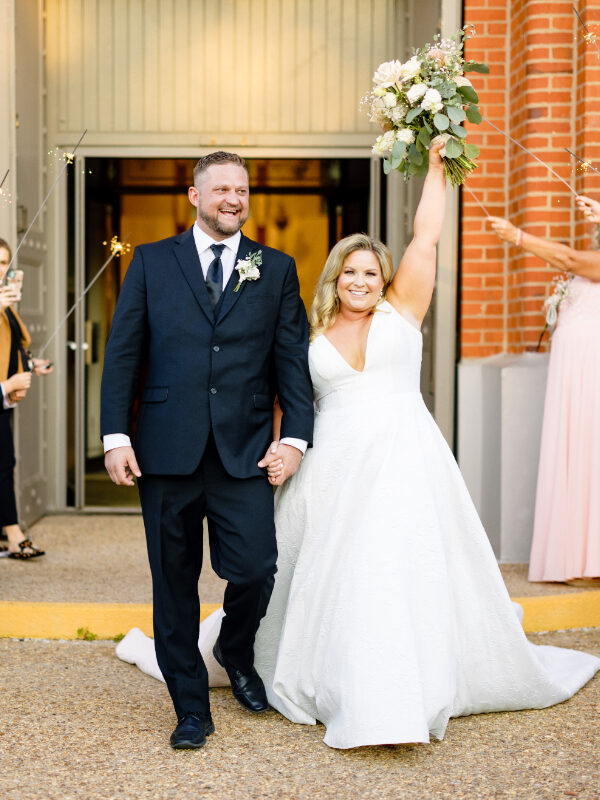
429, 128
441, 122
474, 115
471, 151
415, 157
387, 167
475, 66
469, 93
424, 137
413, 114
422, 170
458, 130
413, 169
398, 150
456, 114
454, 148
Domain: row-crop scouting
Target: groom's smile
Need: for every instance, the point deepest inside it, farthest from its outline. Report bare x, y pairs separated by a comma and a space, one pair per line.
221, 199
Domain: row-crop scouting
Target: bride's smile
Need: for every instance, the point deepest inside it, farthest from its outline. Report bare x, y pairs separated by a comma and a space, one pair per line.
360, 282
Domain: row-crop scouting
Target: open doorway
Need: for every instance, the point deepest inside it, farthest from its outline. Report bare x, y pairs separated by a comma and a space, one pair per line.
300, 206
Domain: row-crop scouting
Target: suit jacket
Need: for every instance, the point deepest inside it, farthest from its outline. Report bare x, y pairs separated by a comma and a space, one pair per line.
206, 369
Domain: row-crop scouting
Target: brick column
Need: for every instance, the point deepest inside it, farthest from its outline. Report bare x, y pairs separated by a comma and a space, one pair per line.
544, 90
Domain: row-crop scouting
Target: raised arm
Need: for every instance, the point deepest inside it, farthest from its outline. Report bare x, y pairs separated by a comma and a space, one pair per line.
585, 263
412, 287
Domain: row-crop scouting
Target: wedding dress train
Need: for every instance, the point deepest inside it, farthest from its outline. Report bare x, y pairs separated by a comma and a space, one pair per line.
389, 614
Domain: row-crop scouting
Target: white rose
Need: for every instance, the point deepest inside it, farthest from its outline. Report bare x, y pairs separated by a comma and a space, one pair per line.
416, 92
432, 100
252, 273
390, 99
405, 135
384, 143
387, 74
410, 68
460, 80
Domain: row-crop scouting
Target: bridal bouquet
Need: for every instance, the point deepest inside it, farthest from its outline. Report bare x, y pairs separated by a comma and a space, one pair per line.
426, 96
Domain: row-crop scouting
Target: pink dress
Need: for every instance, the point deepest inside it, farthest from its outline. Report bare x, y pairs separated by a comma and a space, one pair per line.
566, 537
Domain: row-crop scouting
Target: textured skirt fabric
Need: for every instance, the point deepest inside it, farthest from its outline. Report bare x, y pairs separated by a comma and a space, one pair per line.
566, 539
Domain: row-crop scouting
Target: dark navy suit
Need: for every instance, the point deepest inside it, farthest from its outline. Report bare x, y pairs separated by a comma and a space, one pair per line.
205, 420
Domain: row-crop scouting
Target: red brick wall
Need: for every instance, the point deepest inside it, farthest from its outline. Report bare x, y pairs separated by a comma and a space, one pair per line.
544, 90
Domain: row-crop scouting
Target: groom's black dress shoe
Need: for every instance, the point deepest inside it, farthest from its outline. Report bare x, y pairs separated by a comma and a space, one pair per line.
248, 689
191, 731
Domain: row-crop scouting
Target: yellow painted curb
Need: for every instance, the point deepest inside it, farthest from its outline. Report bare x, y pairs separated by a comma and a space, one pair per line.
107, 620
555, 612
63, 620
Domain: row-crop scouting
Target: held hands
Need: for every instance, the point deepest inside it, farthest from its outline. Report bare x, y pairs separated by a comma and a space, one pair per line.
15, 387
590, 208
281, 461
19, 382
121, 465
504, 229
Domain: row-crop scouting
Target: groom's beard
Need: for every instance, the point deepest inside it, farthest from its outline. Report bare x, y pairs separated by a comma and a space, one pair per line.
221, 226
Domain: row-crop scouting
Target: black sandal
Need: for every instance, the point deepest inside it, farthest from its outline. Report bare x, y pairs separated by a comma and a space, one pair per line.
22, 555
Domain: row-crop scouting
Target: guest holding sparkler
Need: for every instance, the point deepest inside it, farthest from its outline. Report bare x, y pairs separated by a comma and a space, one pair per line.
15, 380
566, 538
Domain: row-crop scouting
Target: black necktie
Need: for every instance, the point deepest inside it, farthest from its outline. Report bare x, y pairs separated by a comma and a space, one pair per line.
214, 275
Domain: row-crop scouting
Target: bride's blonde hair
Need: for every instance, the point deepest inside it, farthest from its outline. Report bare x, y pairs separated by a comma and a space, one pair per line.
326, 304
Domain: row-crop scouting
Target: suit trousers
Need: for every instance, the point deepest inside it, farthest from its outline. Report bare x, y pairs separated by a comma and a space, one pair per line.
243, 551
8, 504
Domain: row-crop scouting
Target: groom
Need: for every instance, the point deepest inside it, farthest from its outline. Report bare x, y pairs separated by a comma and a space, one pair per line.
219, 321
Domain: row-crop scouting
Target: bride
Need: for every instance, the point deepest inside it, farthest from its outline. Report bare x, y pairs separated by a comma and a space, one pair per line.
389, 614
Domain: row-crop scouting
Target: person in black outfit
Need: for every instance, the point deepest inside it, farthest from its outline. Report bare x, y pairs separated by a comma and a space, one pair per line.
223, 330
15, 380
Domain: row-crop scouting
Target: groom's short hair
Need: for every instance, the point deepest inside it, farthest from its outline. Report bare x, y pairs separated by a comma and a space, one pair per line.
220, 157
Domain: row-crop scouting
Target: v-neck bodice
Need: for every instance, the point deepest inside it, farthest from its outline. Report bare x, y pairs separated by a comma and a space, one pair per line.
392, 364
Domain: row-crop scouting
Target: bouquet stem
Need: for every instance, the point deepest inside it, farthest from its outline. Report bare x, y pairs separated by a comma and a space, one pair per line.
457, 169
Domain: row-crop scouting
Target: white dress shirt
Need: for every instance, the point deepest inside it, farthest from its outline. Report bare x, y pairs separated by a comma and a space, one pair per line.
203, 244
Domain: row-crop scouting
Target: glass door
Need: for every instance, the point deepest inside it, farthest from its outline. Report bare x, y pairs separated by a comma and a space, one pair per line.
300, 206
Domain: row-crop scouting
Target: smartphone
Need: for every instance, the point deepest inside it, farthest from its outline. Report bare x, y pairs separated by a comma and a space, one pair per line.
15, 281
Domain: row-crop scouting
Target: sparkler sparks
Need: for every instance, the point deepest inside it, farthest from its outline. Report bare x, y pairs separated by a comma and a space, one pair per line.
584, 166
588, 37
39, 211
118, 248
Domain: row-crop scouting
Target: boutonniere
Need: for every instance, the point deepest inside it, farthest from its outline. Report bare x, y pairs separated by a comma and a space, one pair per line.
248, 268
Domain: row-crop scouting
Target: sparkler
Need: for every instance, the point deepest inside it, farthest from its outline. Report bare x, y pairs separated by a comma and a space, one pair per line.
5, 197
533, 155
117, 249
479, 203
589, 37
68, 161
585, 166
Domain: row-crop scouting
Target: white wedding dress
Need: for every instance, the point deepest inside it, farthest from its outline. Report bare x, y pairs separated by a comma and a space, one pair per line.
389, 614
